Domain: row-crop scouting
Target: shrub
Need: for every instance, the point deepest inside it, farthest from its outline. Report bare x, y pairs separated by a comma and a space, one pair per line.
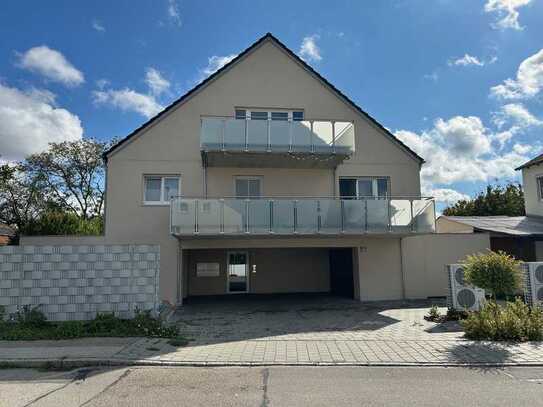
58, 222
498, 273
30, 317
514, 322
433, 314
31, 324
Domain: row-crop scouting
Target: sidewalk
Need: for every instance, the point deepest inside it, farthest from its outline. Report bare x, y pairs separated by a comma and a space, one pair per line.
311, 332
378, 352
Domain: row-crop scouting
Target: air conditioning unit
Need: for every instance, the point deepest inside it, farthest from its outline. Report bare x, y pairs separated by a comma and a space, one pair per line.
462, 295
533, 291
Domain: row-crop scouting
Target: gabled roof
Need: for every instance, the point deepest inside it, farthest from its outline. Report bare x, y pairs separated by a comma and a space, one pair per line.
535, 161
267, 37
508, 225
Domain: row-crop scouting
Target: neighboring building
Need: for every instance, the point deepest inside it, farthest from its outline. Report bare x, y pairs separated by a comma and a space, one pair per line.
6, 234
240, 181
520, 236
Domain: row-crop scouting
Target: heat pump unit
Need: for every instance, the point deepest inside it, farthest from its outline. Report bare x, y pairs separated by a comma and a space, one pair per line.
534, 283
462, 295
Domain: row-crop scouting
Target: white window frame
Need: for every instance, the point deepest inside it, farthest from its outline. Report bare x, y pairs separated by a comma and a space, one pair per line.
260, 178
162, 177
269, 111
374, 186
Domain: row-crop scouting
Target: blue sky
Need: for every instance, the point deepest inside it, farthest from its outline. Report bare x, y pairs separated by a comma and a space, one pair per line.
460, 81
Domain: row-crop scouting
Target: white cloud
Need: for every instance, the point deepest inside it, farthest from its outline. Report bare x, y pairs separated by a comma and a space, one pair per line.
51, 64
446, 195
507, 12
156, 82
460, 150
30, 120
517, 114
98, 26
528, 83
128, 100
466, 60
102, 83
173, 12
214, 63
309, 50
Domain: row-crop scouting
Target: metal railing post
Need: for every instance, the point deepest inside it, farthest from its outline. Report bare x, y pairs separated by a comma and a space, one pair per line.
342, 211
389, 214
246, 134
311, 137
196, 204
333, 137
269, 135
319, 225
221, 215
247, 216
412, 216
290, 135
223, 130
295, 208
366, 214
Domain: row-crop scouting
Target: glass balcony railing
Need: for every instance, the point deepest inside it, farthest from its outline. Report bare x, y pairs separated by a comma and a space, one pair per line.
279, 216
277, 136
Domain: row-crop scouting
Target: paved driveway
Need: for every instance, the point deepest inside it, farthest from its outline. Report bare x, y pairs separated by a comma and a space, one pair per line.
208, 321
322, 330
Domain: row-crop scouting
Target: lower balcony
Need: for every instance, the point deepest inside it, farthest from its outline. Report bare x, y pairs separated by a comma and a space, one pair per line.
300, 216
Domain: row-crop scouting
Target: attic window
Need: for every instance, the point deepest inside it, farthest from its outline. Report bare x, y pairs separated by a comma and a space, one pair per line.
264, 114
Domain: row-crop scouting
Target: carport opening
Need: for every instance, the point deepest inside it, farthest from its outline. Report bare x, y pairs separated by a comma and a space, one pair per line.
341, 272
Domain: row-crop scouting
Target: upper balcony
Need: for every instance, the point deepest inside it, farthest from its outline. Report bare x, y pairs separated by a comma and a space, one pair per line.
300, 216
246, 142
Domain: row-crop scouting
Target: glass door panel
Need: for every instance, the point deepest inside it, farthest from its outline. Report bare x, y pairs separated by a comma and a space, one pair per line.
237, 272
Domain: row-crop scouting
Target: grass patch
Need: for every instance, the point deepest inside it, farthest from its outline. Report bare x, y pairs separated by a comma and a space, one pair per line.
31, 324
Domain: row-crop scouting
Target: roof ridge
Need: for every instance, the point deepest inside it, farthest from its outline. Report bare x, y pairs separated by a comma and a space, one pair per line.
267, 36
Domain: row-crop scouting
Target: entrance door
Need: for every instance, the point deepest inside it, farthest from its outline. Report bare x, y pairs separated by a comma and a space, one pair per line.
341, 272
238, 271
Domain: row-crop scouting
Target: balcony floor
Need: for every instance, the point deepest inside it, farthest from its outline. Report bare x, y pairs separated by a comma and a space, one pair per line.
264, 159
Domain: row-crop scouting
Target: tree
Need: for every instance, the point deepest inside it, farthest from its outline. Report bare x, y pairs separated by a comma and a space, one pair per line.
59, 191
496, 200
21, 199
72, 173
498, 273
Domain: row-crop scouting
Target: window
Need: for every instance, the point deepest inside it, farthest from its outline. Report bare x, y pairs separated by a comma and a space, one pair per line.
259, 115
364, 187
540, 187
248, 187
158, 190
263, 114
241, 114
279, 116
297, 116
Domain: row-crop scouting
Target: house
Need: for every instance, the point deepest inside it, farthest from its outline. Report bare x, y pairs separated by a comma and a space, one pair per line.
265, 178
520, 236
6, 234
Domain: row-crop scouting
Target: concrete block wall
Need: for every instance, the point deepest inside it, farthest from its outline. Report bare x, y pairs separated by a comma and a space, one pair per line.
76, 282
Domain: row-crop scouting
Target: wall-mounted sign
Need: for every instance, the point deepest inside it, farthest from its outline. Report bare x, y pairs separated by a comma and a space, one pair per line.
207, 270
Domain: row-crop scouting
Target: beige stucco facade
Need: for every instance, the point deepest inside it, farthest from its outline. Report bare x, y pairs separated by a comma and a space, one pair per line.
533, 200
267, 77
444, 225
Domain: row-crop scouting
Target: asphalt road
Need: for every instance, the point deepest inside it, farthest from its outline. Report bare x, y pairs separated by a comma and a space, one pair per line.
274, 386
